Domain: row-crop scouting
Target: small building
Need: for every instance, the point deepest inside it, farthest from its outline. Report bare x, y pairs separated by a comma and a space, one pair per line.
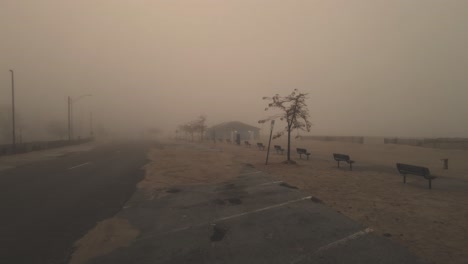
229, 130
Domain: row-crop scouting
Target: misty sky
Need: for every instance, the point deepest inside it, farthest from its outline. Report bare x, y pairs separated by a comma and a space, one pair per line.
372, 67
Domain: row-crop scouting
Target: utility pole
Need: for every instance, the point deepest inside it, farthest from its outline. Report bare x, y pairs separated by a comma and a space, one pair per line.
13, 110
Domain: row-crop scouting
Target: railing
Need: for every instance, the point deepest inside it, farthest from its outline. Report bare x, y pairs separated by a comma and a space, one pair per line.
443, 143
8, 149
351, 139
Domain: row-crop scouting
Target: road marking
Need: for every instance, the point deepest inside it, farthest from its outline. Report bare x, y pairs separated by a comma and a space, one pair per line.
233, 216
77, 166
335, 244
262, 209
346, 239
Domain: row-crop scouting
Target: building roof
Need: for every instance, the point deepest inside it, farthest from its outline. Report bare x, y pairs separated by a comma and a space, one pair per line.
234, 125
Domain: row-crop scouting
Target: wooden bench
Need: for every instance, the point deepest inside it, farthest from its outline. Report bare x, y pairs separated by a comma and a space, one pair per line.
415, 170
260, 146
301, 152
345, 158
279, 149
247, 143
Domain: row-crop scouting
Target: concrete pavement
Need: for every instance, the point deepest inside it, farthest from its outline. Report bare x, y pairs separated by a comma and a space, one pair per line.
251, 219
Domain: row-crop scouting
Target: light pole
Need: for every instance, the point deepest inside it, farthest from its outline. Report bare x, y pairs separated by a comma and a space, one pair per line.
13, 109
71, 101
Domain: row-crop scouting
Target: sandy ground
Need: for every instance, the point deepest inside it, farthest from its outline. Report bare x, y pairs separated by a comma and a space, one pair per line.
431, 223
105, 237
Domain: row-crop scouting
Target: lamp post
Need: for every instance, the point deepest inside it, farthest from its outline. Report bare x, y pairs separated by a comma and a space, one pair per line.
71, 101
13, 128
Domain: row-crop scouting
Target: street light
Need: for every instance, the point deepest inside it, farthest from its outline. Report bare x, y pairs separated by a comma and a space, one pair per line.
70, 113
13, 109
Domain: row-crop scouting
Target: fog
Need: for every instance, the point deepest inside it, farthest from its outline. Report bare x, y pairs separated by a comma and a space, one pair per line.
371, 67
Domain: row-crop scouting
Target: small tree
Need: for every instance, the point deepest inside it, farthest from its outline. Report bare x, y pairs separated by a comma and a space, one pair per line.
200, 125
193, 127
189, 129
293, 110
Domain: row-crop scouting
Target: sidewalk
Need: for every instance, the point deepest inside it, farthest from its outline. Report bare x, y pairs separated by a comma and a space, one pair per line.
12, 161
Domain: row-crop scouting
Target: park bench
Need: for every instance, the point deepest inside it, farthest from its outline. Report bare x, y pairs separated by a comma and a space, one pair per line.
260, 146
279, 149
301, 152
228, 140
345, 158
247, 143
415, 170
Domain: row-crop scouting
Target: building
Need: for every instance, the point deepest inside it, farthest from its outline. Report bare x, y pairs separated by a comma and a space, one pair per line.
229, 130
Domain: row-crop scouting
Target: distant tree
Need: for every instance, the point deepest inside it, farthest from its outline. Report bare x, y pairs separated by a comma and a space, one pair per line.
193, 127
188, 129
57, 129
200, 125
293, 110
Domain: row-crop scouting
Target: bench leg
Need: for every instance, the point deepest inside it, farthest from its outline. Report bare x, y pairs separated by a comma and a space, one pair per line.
430, 184
307, 156
350, 166
338, 162
404, 178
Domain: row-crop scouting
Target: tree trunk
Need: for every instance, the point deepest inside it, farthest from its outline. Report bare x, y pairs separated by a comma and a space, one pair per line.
289, 143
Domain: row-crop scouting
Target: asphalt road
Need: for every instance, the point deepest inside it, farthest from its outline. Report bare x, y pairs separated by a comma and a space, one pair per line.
47, 205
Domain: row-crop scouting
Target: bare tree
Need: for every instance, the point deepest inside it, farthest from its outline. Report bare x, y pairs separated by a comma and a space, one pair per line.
200, 125
189, 129
293, 110
196, 126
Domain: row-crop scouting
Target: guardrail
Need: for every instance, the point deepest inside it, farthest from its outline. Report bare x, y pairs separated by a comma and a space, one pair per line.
442, 143
8, 149
351, 139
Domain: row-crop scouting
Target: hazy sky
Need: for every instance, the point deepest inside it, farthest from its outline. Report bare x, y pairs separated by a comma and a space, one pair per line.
372, 67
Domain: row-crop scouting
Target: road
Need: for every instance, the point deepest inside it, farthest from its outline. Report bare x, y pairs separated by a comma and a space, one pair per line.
48, 205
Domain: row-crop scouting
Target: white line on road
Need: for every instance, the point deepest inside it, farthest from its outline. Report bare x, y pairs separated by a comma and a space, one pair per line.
345, 240
262, 209
77, 166
236, 215
336, 243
